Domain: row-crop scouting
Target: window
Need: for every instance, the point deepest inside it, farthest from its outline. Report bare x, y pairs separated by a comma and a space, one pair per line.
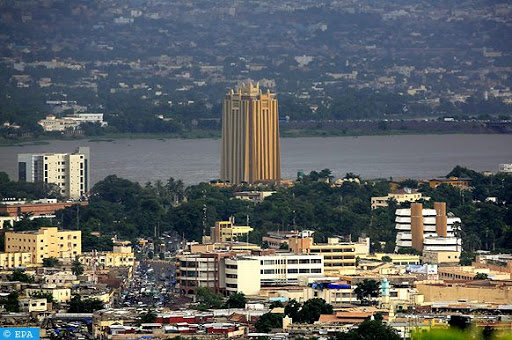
304, 270
316, 271
316, 261
293, 261
269, 271
304, 261
293, 271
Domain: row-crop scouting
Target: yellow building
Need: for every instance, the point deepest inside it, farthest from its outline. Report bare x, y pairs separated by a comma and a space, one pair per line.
69, 171
60, 295
120, 256
339, 257
400, 196
396, 259
250, 136
227, 231
44, 243
461, 183
17, 259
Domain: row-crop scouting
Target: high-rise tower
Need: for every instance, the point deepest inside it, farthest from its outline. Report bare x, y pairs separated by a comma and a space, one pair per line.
250, 136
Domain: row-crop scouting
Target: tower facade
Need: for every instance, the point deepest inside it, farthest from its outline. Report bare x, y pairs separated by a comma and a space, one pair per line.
250, 136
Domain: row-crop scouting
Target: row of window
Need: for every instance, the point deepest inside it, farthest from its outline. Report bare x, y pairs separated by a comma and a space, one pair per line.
292, 271
289, 261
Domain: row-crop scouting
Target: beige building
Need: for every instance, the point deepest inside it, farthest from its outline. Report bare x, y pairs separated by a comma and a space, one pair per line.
441, 257
400, 196
33, 305
44, 243
60, 295
69, 171
250, 136
339, 257
15, 259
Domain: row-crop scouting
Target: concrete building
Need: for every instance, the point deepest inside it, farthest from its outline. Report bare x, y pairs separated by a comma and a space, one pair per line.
120, 256
227, 231
44, 243
52, 123
15, 259
339, 257
201, 270
440, 257
400, 196
69, 171
461, 183
272, 270
427, 229
505, 167
250, 136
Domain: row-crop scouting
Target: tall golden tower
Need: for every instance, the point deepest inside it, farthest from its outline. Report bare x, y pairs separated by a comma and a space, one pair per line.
250, 136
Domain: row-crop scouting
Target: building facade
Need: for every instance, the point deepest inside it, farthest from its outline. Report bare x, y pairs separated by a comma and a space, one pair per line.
227, 231
339, 257
45, 243
427, 229
250, 136
69, 171
400, 196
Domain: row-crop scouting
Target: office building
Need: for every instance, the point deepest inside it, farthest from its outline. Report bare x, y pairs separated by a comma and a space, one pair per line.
427, 229
227, 231
339, 257
69, 171
269, 270
44, 243
250, 136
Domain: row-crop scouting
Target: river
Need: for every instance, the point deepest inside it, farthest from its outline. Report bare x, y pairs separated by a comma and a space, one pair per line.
196, 160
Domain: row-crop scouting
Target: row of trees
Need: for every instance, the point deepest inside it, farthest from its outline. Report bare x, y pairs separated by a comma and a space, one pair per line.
127, 209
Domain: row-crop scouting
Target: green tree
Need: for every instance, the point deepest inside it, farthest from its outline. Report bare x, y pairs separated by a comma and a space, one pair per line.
43, 295
268, 321
369, 330
312, 309
481, 276
237, 300
77, 268
148, 317
21, 276
207, 298
77, 305
11, 302
366, 290
386, 258
51, 262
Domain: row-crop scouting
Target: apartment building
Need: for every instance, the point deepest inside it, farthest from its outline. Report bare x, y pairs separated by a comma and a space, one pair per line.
69, 171
339, 257
120, 256
44, 243
427, 229
201, 270
15, 259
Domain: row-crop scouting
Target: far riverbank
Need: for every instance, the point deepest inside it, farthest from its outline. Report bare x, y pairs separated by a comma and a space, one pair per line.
298, 130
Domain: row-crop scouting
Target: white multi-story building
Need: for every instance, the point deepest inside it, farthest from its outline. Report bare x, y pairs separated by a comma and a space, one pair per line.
427, 229
69, 171
52, 123
248, 274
